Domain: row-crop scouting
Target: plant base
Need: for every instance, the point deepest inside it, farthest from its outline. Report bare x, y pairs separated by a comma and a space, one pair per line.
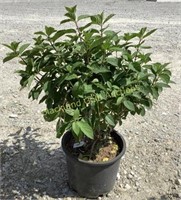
89, 179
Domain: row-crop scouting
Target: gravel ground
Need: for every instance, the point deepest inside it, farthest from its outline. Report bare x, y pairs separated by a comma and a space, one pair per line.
32, 162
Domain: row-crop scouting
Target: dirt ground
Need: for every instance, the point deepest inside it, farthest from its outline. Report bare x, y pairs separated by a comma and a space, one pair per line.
32, 162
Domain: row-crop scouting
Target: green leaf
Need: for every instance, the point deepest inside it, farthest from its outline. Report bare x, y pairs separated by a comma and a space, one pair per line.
71, 9
8, 46
65, 21
142, 31
119, 100
97, 43
71, 76
83, 17
50, 115
88, 89
96, 19
145, 90
160, 84
155, 93
39, 33
71, 16
61, 128
10, 57
165, 78
129, 105
149, 33
60, 33
113, 61
85, 26
14, 45
69, 111
76, 114
30, 80
86, 129
110, 120
108, 18
23, 48
98, 70
76, 128
46, 86
142, 113
49, 30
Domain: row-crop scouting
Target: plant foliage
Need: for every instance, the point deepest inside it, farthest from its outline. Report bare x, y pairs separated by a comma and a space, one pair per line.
90, 77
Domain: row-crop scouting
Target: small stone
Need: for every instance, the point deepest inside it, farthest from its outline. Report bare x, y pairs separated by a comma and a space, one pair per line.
137, 184
132, 173
13, 116
127, 187
108, 195
176, 114
129, 176
118, 176
52, 153
178, 181
99, 198
168, 149
179, 195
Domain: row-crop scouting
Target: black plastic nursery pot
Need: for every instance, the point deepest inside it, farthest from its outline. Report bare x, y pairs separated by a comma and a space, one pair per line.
88, 179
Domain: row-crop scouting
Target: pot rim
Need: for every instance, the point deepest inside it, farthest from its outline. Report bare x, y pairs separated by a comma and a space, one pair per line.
109, 162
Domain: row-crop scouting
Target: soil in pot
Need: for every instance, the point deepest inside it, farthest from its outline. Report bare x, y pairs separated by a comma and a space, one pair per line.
94, 151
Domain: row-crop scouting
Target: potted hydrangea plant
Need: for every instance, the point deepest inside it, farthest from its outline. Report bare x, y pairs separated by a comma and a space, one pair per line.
90, 78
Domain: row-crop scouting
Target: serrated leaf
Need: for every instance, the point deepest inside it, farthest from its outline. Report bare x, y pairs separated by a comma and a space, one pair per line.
86, 129
110, 120
129, 105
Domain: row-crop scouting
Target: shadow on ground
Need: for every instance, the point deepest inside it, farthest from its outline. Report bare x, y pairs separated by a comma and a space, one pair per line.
30, 169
